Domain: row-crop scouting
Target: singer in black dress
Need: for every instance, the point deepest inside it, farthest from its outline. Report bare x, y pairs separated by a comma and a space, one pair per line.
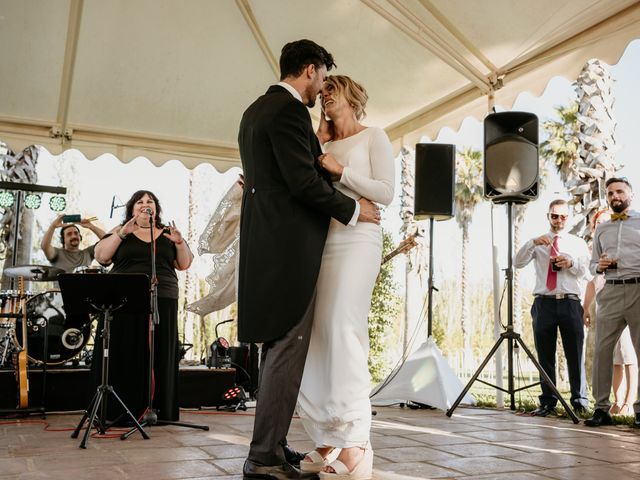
129, 247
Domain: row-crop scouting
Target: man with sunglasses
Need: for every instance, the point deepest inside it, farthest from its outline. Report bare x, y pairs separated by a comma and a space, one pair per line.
561, 262
616, 254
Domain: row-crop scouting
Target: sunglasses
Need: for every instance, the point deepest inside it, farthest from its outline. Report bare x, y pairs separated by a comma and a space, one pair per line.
555, 216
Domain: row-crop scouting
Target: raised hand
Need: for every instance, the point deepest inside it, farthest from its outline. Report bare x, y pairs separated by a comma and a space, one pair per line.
129, 227
325, 132
542, 240
58, 222
174, 234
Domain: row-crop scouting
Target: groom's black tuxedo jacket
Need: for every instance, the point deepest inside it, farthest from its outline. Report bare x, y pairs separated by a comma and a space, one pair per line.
286, 209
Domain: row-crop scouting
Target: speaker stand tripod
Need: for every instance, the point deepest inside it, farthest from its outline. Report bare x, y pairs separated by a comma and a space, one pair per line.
512, 337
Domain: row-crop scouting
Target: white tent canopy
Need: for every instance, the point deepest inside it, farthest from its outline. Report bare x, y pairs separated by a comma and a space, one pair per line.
169, 79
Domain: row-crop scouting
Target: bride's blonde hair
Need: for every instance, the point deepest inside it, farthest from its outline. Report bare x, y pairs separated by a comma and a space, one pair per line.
353, 92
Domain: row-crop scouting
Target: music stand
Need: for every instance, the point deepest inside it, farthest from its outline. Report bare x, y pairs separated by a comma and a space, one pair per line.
104, 294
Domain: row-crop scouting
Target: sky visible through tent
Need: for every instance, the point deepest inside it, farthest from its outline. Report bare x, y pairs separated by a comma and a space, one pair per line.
93, 184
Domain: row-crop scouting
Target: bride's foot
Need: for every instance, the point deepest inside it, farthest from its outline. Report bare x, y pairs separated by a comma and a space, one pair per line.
353, 463
316, 460
625, 409
615, 408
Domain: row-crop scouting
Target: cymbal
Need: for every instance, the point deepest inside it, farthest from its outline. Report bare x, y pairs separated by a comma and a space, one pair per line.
34, 273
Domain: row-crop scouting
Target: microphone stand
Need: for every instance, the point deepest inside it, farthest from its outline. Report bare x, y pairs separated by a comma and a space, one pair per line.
150, 417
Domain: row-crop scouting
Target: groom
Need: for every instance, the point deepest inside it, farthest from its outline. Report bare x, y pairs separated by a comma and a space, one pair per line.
286, 208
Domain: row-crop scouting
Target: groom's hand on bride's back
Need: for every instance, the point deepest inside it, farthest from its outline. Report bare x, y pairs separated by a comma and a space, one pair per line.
369, 212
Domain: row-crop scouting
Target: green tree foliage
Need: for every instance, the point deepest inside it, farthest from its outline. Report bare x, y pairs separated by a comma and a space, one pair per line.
385, 307
447, 325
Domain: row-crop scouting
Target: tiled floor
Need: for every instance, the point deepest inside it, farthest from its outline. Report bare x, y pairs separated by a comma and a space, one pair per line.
408, 444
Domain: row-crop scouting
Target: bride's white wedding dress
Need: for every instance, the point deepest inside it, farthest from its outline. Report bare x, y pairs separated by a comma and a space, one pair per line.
334, 395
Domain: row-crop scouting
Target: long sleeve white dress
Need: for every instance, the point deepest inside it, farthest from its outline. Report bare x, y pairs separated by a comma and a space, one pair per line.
334, 395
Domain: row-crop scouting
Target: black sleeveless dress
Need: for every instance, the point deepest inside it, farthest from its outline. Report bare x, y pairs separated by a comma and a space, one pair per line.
129, 345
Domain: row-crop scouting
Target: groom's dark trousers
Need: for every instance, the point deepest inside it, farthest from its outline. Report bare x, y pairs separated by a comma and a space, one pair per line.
278, 386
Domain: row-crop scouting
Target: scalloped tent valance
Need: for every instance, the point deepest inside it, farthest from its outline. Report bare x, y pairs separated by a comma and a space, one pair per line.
170, 80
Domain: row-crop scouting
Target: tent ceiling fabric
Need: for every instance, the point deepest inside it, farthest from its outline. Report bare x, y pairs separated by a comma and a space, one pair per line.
169, 79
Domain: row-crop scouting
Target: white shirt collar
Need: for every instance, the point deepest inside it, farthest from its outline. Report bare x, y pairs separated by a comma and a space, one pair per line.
291, 90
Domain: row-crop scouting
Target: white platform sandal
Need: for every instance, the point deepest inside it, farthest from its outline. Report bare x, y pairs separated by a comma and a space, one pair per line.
317, 462
362, 471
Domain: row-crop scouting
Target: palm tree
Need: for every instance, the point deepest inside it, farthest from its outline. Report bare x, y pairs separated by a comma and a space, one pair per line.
581, 143
468, 195
561, 145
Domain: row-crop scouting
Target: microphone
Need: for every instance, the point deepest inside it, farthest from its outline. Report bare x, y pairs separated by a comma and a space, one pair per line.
113, 205
149, 212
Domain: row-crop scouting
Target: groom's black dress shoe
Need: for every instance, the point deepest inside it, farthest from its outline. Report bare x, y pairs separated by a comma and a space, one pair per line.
275, 472
600, 417
636, 421
291, 456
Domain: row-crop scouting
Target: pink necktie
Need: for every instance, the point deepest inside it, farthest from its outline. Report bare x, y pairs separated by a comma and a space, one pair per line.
552, 277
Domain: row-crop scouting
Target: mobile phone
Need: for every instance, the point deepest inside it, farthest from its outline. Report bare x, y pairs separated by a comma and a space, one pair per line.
71, 218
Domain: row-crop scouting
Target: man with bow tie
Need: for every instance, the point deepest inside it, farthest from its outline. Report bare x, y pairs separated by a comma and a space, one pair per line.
561, 263
616, 254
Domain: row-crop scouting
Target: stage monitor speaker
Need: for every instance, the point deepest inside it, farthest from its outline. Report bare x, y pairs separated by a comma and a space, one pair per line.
511, 157
435, 181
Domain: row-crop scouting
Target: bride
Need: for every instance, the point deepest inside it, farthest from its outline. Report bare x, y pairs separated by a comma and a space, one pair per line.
334, 395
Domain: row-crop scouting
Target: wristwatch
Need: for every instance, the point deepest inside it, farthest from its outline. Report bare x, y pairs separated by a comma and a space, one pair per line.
119, 233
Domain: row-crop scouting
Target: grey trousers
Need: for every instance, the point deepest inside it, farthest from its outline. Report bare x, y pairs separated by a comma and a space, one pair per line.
280, 376
617, 307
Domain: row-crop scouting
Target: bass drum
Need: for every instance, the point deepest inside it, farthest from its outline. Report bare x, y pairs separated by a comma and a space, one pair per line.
67, 334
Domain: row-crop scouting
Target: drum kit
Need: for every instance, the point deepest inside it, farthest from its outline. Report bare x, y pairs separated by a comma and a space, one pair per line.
53, 337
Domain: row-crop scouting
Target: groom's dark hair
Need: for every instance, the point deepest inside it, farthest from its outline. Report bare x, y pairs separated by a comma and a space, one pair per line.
295, 57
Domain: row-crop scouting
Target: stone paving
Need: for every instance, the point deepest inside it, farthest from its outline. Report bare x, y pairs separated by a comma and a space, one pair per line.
409, 444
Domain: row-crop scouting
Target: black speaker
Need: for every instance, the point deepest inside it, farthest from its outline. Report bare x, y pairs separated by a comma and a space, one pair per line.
435, 181
511, 157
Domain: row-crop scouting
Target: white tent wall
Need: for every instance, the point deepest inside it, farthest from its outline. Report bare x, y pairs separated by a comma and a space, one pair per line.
166, 79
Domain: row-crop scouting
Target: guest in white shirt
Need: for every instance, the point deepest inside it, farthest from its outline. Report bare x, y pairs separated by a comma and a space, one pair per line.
561, 263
